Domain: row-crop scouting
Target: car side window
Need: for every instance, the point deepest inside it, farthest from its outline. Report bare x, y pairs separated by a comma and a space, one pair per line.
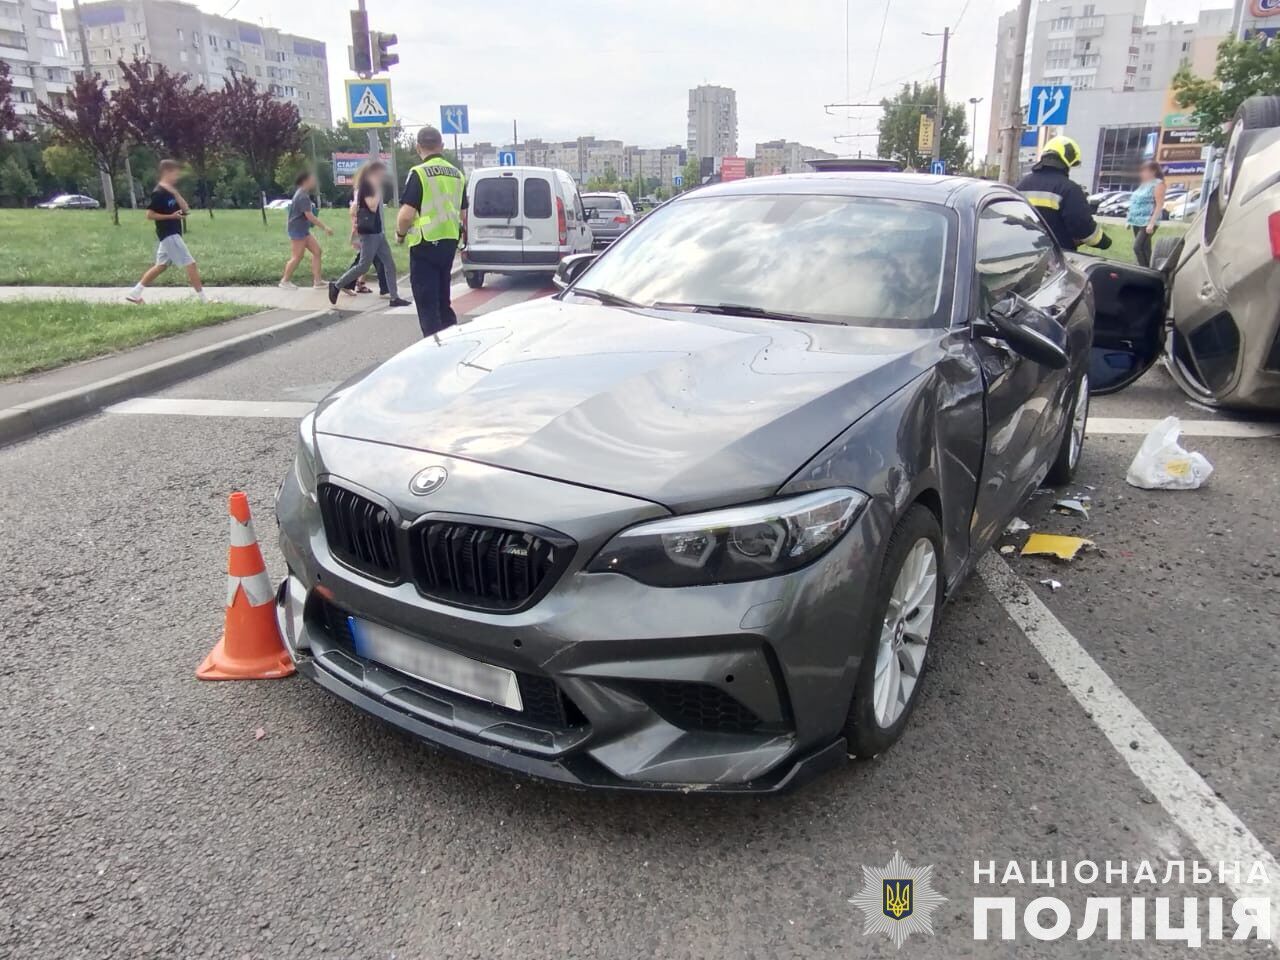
1015, 254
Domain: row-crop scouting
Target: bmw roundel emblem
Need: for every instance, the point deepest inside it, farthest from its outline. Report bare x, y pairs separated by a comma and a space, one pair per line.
428, 481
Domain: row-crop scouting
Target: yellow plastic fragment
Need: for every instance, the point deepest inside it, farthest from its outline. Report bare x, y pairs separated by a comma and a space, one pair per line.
1051, 545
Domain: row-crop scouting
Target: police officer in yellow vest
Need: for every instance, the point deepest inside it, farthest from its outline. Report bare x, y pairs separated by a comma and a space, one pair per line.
430, 221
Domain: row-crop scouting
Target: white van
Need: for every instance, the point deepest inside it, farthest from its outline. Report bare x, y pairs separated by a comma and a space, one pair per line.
521, 220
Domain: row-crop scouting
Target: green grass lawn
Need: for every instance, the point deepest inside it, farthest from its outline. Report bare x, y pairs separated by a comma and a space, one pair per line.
82, 248
1122, 239
38, 334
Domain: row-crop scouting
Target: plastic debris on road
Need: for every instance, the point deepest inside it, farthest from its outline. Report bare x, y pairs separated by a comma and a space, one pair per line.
1053, 545
1007, 549
1051, 584
1072, 506
1016, 525
1162, 464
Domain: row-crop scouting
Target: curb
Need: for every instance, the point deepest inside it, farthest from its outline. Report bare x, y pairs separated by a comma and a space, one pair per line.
26, 420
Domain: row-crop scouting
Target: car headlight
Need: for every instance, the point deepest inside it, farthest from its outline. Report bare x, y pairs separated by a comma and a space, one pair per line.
739, 543
304, 461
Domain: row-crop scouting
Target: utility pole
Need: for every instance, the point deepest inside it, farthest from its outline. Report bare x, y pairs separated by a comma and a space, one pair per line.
942, 96
108, 190
1011, 134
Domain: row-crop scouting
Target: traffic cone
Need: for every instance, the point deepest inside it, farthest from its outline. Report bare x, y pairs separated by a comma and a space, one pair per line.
250, 648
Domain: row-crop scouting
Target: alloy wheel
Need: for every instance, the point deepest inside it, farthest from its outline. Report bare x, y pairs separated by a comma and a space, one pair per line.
904, 635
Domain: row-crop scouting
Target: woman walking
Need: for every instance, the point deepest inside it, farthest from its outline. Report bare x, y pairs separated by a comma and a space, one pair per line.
1145, 207
373, 242
302, 218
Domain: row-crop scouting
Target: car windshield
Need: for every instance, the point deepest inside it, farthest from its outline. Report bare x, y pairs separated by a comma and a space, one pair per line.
834, 259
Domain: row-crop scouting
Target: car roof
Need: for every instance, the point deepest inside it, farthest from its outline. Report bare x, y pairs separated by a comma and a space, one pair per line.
922, 187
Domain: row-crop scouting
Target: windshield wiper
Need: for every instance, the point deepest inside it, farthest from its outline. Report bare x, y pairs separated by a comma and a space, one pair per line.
605, 297
738, 309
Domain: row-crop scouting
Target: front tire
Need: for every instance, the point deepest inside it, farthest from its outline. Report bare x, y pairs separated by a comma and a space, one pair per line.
1068, 458
474, 278
895, 641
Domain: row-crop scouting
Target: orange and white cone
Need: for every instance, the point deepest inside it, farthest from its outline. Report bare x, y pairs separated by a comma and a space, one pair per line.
251, 647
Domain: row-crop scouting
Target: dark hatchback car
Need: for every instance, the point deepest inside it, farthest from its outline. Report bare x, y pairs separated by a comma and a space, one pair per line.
691, 523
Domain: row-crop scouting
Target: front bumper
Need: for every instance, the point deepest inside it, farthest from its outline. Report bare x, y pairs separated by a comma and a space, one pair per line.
736, 687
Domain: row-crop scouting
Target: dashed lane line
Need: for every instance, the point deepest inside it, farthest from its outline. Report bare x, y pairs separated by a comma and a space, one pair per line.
1209, 823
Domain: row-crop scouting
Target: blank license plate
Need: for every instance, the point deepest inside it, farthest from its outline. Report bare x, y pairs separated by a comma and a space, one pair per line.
508, 233
434, 665
598, 221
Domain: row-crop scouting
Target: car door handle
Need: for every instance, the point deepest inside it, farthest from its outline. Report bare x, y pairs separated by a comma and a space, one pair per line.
1206, 290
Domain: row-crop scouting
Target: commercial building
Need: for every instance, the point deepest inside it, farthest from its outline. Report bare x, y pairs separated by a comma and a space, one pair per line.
31, 44
785, 156
713, 122
210, 48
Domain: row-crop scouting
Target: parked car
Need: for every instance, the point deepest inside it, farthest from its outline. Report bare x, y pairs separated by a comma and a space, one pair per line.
609, 215
279, 203
1116, 205
1097, 199
521, 220
1223, 346
70, 201
690, 524
1182, 207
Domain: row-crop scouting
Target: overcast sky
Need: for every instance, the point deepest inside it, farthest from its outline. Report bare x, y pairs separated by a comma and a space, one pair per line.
619, 69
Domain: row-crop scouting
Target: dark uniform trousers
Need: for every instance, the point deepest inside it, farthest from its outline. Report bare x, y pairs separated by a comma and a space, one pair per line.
430, 269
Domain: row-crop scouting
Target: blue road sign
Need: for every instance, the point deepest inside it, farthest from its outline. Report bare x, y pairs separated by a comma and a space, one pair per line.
454, 119
1049, 105
1030, 138
938, 167
677, 180
369, 103
506, 158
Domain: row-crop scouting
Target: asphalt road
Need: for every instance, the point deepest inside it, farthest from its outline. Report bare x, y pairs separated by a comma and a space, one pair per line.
141, 815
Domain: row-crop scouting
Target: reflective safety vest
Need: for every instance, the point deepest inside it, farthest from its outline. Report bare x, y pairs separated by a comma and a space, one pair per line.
440, 212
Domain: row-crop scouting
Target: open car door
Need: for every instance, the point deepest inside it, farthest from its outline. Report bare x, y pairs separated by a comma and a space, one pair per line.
1128, 326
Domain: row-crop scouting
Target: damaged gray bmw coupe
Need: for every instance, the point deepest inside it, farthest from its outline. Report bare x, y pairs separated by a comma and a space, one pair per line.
691, 523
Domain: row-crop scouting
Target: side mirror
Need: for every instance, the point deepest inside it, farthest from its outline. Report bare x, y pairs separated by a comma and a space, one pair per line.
571, 267
1027, 330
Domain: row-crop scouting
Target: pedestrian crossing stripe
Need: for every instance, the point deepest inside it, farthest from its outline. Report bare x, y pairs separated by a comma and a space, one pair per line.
369, 105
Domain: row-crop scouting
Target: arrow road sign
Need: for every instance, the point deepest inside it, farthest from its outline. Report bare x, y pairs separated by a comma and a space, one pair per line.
1049, 105
369, 103
677, 180
454, 119
506, 158
938, 167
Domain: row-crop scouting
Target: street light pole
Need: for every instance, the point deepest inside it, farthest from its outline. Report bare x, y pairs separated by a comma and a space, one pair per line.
973, 133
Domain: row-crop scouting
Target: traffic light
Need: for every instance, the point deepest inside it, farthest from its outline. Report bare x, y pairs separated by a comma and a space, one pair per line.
383, 58
361, 63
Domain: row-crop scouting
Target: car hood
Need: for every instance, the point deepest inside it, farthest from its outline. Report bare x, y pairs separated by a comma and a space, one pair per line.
685, 410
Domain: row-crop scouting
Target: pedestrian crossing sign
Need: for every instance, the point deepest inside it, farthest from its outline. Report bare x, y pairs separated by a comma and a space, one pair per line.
369, 103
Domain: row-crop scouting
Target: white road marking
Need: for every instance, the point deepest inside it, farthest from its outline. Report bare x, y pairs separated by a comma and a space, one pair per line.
172, 406
455, 291
1124, 426
1208, 822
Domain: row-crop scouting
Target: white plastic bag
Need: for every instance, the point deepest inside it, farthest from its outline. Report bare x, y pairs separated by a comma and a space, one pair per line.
1161, 464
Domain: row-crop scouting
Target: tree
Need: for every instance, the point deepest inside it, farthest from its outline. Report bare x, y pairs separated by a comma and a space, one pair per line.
692, 174
71, 165
900, 128
205, 148
16, 182
1244, 69
259, 129
90, 120
9, 122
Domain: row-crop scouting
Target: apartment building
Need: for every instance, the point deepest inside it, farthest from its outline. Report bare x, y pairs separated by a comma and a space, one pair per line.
583, 158
785, 156
31, 44
713, 122
210, 48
